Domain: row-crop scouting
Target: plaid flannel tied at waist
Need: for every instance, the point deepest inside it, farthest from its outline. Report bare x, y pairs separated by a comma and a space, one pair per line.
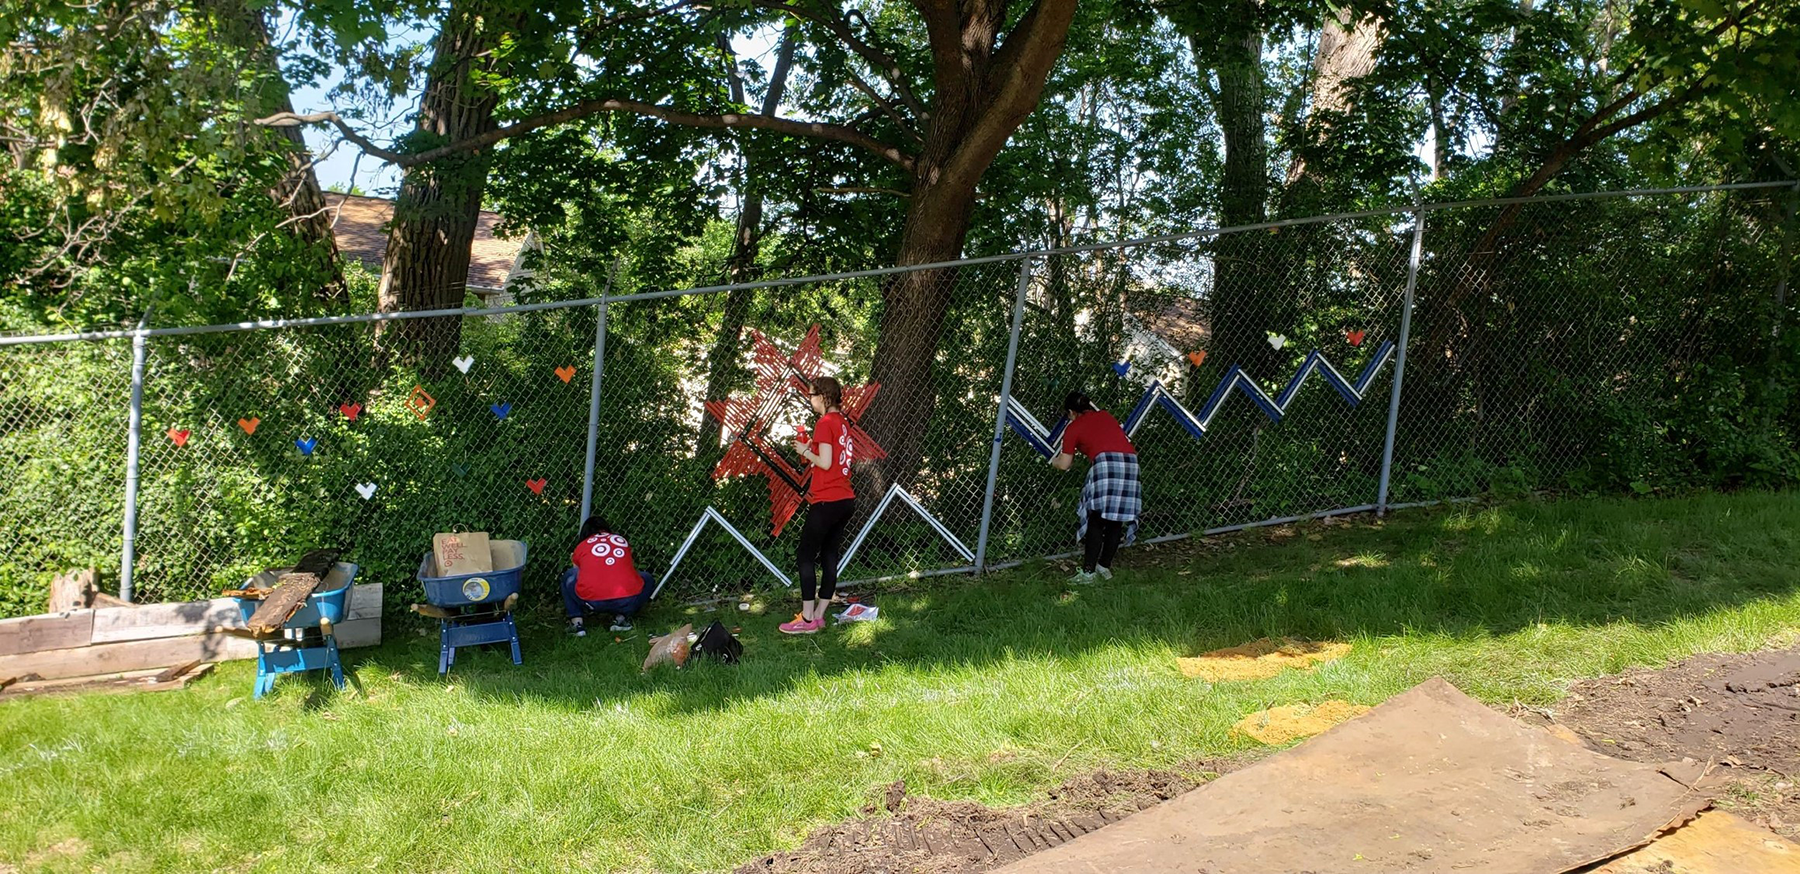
1112, 489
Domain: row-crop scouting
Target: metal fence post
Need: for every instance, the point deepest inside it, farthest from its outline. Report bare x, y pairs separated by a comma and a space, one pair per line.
1412, 282
1006, 378
593, 435
133, 441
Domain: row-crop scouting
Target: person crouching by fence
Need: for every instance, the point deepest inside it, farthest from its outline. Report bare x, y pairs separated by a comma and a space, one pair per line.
604, 579
1111, 498
830, 503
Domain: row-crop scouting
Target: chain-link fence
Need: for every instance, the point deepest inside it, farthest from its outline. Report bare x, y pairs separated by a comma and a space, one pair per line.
1577, 344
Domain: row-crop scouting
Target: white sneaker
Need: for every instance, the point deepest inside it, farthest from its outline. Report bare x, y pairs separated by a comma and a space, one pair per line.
1104, 573
1083, 578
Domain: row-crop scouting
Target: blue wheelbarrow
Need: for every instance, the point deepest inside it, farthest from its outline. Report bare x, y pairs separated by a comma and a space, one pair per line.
474, 609
307, 642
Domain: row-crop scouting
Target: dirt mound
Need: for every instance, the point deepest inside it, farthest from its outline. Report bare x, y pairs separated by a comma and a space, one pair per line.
1738, 713
910, 835
1292, 722
1260, 659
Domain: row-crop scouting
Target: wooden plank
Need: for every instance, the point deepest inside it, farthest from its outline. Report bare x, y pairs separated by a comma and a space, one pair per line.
108, 684
119, 624
358, 632
174, 619
169, 674
289, 596
73, 590
129, 656
364, 602
291, 591
54, 631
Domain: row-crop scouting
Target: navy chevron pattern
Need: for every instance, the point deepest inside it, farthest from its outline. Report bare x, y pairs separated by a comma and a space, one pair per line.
1047, 441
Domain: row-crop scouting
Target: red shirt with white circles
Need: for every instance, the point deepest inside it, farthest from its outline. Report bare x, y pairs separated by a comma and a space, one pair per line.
604, 570
832, 483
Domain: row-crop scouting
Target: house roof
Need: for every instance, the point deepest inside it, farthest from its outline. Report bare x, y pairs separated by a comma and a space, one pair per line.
362, 232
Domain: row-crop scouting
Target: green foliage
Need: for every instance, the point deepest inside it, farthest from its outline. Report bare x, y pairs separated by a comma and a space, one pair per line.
130, 182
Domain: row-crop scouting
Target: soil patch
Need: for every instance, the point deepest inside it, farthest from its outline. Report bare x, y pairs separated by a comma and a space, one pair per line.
903, 834
1740, 714
1292, 722
1260, 659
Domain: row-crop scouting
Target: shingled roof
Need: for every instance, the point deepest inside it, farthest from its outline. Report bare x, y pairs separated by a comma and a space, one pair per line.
362, 232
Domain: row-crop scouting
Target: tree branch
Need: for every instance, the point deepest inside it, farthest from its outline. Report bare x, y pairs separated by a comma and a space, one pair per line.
886, 106
862, 189
1014, 84
807, 129
290, 119
880, 61
943, 30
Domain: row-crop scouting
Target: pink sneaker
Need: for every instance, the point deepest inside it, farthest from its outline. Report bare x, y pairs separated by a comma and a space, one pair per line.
801, 626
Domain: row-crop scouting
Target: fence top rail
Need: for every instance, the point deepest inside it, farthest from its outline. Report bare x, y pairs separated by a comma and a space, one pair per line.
459, 312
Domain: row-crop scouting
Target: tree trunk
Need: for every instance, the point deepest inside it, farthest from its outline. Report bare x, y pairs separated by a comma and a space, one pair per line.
298, 193
1240, 310
1440, 132
746, 244
983, 93
912, 320
1346, 52
426, 265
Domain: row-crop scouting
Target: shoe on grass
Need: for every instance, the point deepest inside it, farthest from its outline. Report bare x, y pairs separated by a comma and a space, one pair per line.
621, 622
1103, 572
801, 626
577, 628
1083, 578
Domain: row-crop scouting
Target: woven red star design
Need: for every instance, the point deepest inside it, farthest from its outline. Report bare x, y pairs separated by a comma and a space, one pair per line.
782, 380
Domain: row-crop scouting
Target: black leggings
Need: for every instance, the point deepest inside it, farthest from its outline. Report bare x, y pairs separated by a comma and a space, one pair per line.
1102, 541
821, 540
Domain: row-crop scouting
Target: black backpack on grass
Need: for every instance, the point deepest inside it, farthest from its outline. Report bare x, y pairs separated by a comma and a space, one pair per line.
717, 643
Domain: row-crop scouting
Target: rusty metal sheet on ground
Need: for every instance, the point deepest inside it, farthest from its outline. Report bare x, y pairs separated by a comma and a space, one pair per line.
1718, 842
1429, 781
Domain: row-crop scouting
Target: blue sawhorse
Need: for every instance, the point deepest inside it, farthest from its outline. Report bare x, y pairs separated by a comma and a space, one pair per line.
475, 630
274, 658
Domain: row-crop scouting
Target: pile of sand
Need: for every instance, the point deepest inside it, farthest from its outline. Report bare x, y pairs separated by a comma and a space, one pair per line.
1288, 723
1260, 659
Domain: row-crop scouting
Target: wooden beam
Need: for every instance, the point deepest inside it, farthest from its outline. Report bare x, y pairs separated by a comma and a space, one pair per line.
291, 591
58, 631
71, 591
290, 595
133, 655
151, 621
107, 684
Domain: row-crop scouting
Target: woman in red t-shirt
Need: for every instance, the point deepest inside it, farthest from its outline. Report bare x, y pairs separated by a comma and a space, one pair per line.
1110, 498
604, 580
830, 502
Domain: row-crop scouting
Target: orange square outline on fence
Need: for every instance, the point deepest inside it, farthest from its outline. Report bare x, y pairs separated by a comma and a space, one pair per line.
421, 402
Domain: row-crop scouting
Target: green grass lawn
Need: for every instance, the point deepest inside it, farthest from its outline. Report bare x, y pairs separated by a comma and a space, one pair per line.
989, 690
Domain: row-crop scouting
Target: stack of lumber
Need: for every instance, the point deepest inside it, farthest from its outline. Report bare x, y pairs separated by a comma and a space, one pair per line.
111, 642
290, 593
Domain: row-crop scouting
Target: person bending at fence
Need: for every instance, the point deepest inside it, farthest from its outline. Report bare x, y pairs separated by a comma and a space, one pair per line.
604, 579
830, 503
1111, 498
